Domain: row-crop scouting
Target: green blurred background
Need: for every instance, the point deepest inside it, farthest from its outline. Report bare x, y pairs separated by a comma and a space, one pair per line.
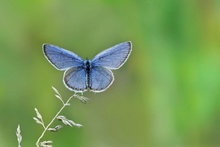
166, 95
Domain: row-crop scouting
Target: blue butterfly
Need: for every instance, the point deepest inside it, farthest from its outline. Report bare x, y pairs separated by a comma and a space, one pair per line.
94, 75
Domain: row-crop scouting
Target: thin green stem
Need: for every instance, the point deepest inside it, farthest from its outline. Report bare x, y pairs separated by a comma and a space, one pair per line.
45, 128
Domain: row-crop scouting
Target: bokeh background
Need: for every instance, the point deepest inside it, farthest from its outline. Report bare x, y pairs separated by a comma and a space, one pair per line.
166, 95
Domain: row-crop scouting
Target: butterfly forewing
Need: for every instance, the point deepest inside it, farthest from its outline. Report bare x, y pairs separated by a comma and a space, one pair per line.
114, 57
60, 58
75, 79
100, 78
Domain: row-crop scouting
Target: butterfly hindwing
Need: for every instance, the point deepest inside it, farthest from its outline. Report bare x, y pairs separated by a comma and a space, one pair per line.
60, 58
114, 57
75, 79
100, 78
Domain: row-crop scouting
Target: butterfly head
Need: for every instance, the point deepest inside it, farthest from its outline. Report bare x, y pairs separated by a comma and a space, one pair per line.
87, 64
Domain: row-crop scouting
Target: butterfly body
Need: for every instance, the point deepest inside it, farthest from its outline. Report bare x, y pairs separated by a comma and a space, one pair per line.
94, 75
87, 66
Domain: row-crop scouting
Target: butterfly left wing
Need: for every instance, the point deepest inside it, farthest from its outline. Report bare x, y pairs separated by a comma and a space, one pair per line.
75, 79
60, 58
100, 78
114, 57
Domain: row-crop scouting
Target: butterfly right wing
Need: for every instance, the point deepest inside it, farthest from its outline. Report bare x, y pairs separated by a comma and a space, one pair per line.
75, 79
60, 58
114, 57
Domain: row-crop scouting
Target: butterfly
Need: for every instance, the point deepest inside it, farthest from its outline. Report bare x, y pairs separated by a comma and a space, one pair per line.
94, 75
